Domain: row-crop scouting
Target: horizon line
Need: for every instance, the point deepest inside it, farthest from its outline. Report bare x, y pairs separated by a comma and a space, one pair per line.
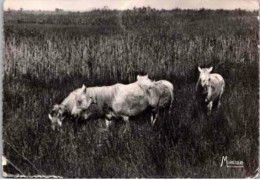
115, 9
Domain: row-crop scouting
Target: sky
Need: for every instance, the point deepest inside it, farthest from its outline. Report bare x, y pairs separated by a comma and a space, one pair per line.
85, 5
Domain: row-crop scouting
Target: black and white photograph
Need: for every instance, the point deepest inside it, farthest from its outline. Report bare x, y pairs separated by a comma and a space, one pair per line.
130, 89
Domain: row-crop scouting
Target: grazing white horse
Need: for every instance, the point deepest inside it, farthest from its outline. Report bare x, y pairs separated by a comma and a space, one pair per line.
60, 111
160, 95
210, 86
117, 101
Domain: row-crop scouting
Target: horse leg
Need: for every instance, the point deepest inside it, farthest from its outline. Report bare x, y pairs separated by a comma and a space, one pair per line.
152, 118
108, 123
127, 123
110, 116
216, 104
209, 108
155, 117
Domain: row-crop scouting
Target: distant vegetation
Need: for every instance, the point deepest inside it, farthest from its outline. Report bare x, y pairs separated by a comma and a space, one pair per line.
46, 56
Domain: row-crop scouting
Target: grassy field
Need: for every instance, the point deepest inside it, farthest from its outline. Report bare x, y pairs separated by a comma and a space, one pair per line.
46, 56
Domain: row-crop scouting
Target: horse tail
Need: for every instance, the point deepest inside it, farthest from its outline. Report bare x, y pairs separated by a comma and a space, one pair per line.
172, 98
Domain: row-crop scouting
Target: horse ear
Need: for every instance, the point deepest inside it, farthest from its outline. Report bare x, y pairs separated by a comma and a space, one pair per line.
50, 117
59, 123
210, 69
138, 77
84, 89
146, 76
199, 69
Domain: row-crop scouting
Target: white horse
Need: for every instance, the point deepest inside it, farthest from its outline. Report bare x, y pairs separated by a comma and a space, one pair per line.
117, 101
160, 95
210, 86
59, 111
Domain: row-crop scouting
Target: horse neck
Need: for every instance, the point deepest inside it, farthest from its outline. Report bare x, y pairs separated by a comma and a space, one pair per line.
69, 101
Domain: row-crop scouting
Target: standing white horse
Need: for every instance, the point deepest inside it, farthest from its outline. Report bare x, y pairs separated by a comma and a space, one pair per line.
211, 87
160, 95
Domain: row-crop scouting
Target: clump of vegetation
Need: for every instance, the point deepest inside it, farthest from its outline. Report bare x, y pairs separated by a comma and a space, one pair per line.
46, 56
